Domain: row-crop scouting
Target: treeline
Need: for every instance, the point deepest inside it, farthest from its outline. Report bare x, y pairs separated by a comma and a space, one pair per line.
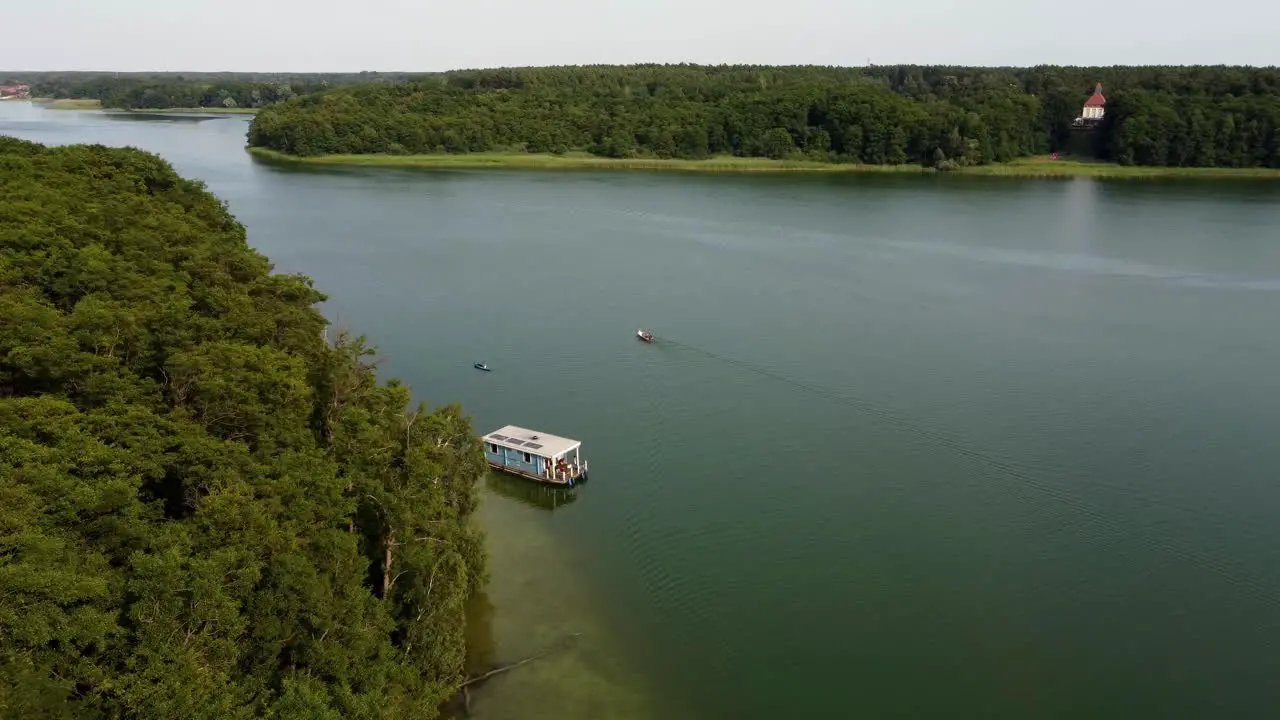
136, 91
658, 111
140, 96
206, 510
1198, 116
935, 116
1163, 128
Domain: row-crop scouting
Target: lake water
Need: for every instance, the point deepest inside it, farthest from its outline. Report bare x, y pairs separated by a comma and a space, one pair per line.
905, 447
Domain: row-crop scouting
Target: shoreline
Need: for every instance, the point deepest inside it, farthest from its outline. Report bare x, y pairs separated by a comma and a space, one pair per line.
188, 111
1023, 168
67, 103
92, 104
528, 161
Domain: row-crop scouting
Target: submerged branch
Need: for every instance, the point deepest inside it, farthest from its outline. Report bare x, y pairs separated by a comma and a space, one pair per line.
512, 666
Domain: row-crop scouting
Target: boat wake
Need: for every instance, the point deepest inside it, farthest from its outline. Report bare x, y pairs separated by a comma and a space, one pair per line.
1023, 476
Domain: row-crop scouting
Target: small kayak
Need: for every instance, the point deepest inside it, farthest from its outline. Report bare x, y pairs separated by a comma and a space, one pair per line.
481, 366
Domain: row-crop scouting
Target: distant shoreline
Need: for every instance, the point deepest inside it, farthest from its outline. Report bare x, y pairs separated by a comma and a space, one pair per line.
67, 103
92, 104
520, 161
189, 111
1024, 168
1044, 167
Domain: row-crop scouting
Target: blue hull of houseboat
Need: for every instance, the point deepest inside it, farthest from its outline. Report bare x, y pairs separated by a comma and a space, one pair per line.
567, 482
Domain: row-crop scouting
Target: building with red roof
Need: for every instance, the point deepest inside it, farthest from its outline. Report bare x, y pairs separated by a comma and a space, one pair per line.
14, 91
1095, 107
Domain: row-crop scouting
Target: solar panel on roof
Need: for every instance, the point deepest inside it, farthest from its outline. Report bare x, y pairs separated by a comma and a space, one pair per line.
496, 436
515, 442
533, 445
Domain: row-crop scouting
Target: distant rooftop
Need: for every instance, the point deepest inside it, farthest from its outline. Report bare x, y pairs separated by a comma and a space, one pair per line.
1097, 98
531, 441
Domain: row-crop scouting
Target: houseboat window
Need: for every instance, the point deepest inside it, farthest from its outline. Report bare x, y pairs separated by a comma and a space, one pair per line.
493, 448
526, 457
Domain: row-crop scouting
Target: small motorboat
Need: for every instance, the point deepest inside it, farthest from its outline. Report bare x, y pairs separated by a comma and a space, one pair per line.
481, 366
644, 335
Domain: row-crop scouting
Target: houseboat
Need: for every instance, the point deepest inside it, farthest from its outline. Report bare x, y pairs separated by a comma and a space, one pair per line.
536, 455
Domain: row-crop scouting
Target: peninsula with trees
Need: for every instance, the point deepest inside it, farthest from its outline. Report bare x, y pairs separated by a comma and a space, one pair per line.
211, 507
218, 92
1157, 120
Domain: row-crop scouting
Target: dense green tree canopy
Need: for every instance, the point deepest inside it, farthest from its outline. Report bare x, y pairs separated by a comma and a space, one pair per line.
138, 91
206, 510
1201, 116
929, 115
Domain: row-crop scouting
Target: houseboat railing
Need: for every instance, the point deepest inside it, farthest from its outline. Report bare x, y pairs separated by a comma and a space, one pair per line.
572, 472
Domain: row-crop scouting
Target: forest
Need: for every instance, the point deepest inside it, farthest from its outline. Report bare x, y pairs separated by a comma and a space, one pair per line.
211, 506
936, 116
140, 91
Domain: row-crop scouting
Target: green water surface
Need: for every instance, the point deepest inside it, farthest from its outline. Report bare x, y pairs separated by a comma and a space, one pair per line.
905, 447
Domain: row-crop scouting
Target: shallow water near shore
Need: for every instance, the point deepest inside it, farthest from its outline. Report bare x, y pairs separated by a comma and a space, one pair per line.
905, 446
538, 605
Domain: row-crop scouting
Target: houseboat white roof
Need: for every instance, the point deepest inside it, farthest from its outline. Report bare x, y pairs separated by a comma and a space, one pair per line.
531, 441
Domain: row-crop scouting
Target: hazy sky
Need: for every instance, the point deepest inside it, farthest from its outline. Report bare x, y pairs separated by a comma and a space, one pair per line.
425, 35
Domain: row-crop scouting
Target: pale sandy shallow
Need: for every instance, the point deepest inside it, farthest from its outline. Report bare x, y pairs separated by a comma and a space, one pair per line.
537, 601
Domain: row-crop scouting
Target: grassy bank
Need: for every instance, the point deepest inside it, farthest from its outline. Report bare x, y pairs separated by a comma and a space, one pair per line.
91, 104
1027, 167
68, 103
1044, 167
580, 160
194, 110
